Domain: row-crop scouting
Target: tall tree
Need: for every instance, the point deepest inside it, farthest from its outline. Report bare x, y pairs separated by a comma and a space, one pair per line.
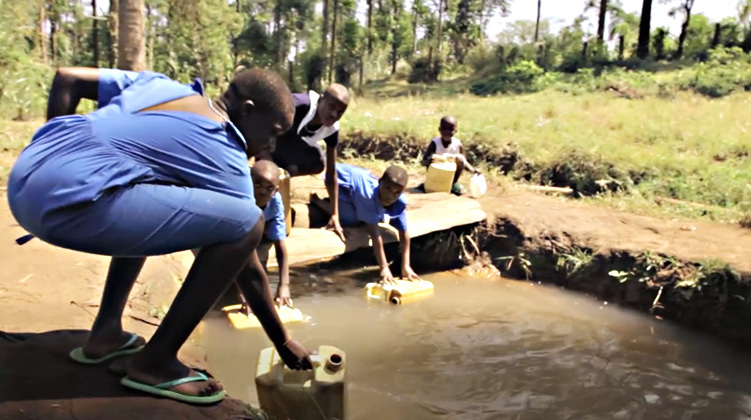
601, 21
441, 7
95, 33
114, 27
324, 37
744, 17
370, 26
334, 17
645, 21
684, 8
131, 48
537, 22
41, 34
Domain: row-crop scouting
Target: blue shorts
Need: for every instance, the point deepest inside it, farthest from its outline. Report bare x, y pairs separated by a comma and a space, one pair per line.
150, 219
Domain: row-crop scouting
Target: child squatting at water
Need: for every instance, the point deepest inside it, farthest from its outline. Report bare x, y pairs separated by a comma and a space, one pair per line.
265, 176
157, 168
365, 199
450, 147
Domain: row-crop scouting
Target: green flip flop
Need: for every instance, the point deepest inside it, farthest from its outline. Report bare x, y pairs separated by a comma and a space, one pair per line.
162, 390
124, 350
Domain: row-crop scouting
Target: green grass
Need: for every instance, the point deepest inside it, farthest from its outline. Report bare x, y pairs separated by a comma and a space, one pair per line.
687, 147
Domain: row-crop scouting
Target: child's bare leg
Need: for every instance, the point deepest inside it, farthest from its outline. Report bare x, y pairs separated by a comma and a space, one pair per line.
214, 269
107, 332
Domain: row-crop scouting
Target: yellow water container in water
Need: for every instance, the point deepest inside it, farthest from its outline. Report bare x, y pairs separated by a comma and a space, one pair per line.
285, 189
241, 321
302, 395
440, 177
402, 292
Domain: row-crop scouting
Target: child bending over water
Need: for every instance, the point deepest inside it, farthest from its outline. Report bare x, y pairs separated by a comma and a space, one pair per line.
365, 199
157, 168
450, 147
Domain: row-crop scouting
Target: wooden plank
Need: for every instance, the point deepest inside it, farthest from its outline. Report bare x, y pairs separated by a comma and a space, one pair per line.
426, 213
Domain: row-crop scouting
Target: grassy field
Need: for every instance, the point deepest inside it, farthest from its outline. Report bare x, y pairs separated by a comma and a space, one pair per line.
687, 147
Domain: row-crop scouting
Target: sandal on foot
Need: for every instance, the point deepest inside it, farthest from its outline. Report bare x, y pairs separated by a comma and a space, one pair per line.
124, 350
162, 390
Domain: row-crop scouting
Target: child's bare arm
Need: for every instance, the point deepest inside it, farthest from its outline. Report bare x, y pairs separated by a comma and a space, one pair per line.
380, 254
70, 85
428, 156
467, 166
404, 242
282, 293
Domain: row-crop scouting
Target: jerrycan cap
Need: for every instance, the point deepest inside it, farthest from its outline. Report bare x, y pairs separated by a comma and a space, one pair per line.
333, 363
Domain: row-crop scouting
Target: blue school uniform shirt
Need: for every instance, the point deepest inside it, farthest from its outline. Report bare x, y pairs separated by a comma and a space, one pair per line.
74, 159
273, 214
359, 202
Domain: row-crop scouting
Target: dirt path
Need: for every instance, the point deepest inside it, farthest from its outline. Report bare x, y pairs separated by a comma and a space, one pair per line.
608, 231
48, 298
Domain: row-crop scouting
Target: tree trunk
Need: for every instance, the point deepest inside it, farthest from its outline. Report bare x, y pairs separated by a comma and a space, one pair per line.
601, 21
324, 38
642, 50
333, 40
362, 71
621, 46
537, 22
237, 6
150, 38
131, 48
395, 27
684, 28
585, 50
278, 35
440, 26
53, 35
746, 45
717, 38
42, 35
114, 20
415, 23
370, 27
95, 33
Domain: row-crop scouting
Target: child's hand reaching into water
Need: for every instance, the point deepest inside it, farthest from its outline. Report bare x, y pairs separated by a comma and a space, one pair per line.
295, 355
386, 276
409, 274
283, 296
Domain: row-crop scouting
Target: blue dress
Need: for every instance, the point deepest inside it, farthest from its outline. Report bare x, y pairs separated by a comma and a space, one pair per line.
122, 182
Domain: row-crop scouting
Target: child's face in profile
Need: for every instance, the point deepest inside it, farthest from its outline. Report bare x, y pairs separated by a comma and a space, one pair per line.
389, 192
264, 189
447, 130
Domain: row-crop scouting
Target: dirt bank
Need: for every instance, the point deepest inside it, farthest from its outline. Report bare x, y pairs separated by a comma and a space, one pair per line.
48, 297
696, 273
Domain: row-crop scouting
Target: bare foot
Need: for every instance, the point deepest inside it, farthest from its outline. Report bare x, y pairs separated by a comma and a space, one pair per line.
138, 372
103, 343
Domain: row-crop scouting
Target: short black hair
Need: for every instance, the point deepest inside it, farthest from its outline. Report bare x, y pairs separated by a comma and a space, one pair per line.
396, 175
449, 120
267, 90
265, 169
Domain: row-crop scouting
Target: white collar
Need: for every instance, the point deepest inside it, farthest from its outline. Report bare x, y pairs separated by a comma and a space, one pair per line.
311, 112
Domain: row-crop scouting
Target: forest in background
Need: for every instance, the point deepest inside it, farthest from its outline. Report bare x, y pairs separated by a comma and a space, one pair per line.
352, 42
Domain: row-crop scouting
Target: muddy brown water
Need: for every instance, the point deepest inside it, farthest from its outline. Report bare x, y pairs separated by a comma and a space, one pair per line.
500, 349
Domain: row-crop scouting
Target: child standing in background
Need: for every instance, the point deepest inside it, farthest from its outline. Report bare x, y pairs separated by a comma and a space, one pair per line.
450, 147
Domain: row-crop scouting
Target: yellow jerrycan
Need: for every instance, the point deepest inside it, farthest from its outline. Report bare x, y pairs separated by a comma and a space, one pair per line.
297, 395
285, 188
440, 177
403, 291
241, 321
